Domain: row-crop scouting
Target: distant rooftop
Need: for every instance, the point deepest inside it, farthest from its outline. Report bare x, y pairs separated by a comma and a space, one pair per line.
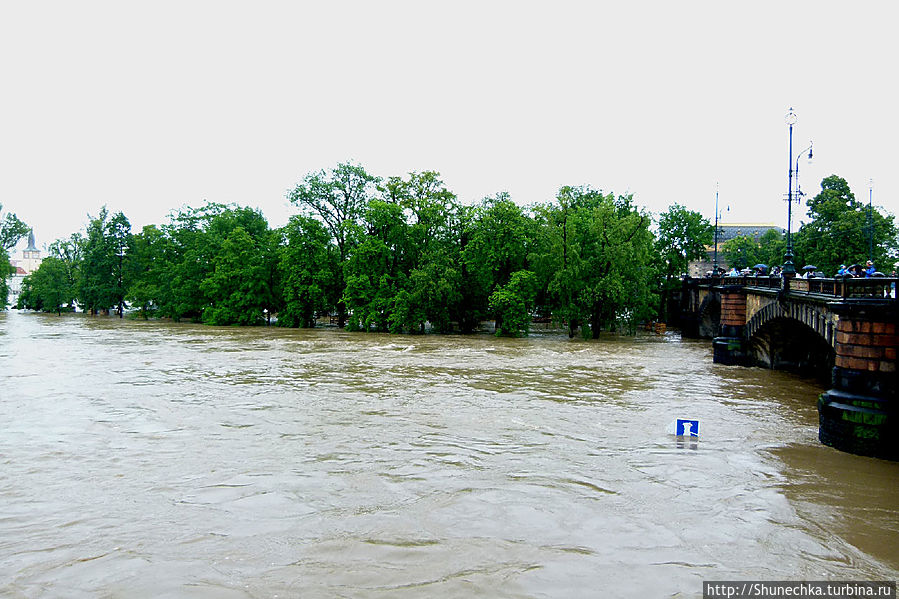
754, 230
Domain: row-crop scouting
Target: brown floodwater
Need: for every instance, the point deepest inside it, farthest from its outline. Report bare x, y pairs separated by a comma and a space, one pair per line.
146, 459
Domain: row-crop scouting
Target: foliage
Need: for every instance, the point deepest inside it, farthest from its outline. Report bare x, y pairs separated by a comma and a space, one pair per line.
236, 287
11, 231
393, 255
840, 231
742, 252
772, 247
6, 271
683, 235
512, 303
338, 198
497, 245
308, 263
147, 269
48, 289
605, 271
102, 283
369, 286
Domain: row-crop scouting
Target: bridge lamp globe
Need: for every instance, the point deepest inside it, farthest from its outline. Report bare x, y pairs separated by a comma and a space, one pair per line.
791, 118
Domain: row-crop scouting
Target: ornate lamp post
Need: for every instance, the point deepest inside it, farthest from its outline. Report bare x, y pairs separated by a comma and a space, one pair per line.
715, 261
121, 253
870, 222
789, 269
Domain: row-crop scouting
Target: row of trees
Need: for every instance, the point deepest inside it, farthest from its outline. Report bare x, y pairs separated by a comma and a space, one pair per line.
389, 255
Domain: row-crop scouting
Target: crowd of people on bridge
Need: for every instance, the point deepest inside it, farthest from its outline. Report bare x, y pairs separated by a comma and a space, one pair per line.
807, 272
856, 270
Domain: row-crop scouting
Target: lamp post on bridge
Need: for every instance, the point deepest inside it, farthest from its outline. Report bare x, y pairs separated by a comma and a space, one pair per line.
870, 222
715, 261
789, 269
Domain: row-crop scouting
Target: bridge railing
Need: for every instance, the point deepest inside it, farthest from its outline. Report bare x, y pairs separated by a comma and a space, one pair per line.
839, 287
846, 287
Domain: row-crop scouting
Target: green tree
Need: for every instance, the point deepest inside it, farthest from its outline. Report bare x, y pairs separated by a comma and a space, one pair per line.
369, 290
339, 198
70, 252
147, 269
605, 274
772, 248
839, 231
191, 252
102, 283
683, 235
742, 252
48, 288
498, 245
308, 263
236, 288
11, 231
6, 271
512, 304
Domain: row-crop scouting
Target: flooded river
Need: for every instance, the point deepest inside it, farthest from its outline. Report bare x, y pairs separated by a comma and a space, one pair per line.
174, 460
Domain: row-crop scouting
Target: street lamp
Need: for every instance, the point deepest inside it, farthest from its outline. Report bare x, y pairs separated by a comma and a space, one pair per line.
799, 193
870, 222
123, 248
717, 231
789, 269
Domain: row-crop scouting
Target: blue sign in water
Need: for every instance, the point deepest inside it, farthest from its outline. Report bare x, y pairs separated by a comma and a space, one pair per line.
687, 428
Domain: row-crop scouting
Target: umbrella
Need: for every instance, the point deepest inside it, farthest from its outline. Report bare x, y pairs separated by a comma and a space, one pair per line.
765, 266
809, 267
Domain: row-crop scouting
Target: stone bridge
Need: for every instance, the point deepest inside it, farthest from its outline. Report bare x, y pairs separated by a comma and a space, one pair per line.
844, 329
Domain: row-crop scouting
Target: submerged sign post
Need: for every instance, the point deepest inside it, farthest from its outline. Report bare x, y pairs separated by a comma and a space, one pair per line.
686, 432
686, 428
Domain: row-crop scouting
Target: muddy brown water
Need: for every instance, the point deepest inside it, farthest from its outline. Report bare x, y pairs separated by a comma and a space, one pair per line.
146, 459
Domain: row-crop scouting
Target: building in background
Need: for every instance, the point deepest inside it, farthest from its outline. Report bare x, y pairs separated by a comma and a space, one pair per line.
699, 268
31, 260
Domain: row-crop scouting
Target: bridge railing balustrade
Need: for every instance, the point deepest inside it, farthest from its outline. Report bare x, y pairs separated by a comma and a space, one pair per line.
839, 287
848, 287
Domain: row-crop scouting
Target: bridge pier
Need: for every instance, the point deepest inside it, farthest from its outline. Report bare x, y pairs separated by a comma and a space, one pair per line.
729, 347
860, 413
845, 326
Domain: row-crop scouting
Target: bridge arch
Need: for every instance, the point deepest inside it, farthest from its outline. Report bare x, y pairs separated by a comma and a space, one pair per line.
798, 337
821, 321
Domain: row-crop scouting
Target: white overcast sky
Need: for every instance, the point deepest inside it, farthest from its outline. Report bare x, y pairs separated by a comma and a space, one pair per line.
146, 107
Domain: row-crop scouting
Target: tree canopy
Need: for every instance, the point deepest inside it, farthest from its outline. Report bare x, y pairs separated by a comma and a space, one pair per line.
843, 230
395, 254
683, 235
11, 231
